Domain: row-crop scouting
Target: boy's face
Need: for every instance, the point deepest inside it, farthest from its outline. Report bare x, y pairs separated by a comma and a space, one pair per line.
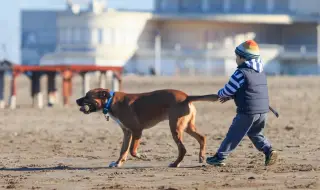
239, 60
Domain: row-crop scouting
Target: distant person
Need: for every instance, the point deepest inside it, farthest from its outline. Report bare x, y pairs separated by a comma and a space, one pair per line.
152, 71
248, 87
5, 66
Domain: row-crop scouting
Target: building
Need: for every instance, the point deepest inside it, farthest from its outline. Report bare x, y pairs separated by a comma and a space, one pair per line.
10, 31
38, 35
185, 36
286, 30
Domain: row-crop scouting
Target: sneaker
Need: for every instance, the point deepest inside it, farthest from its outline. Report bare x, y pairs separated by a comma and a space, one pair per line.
214, 160
271, 158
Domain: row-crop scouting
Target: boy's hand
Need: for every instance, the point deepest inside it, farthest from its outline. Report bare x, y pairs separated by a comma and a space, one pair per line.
224, 99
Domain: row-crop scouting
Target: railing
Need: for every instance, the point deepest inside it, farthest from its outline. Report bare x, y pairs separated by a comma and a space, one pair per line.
229, 7
198, 48
302, 49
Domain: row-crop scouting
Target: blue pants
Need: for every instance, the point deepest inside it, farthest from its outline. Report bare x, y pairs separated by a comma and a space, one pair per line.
243, 124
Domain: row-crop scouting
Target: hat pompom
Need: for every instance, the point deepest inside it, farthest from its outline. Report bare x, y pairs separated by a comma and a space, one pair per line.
248, 49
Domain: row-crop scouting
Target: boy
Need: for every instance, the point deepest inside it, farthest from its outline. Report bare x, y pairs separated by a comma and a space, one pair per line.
248, 87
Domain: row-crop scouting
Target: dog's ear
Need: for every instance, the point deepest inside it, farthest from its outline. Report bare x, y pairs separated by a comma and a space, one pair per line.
104, 94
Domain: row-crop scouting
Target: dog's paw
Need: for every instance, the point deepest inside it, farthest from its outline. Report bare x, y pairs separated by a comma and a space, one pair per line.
174, 165
114, 165
141, 157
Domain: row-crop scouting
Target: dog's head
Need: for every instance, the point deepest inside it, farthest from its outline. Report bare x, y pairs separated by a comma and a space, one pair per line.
93, 100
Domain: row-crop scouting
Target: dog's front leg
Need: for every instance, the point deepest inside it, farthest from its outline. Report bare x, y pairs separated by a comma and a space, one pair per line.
136, 137
127, 137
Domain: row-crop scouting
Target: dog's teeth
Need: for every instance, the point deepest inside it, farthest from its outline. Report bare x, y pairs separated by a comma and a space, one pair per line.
86, 108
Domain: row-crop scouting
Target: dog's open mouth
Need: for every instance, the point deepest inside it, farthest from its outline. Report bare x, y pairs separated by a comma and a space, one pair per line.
85, 109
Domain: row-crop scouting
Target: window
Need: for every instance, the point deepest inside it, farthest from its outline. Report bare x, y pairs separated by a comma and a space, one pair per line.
190, 6
68, 36
61, 36
248, 5
260, 6
237, 6
100, 36
168, 5
31, 38
281, 6
216, 6
86, 36
76, 35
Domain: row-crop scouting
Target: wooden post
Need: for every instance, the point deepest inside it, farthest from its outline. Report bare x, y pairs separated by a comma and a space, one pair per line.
37, 96
66, 86
109, 75
2, 86
102, 79
13, 97
116, 82
85, 82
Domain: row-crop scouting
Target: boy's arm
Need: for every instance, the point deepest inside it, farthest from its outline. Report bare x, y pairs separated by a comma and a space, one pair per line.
235, 82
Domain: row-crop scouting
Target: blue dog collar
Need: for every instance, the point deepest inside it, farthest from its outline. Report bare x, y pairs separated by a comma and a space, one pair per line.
108, 104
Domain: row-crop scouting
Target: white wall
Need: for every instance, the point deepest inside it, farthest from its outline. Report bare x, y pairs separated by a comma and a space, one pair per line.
112, 36
10, 30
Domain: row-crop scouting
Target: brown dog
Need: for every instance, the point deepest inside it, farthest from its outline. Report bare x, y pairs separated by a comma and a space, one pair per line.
136, 112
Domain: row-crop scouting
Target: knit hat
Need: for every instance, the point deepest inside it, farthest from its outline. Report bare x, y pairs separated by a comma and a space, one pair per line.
248, 50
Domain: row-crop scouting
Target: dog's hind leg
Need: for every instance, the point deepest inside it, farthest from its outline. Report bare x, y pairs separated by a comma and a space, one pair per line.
191, 130
127, 137
177, 126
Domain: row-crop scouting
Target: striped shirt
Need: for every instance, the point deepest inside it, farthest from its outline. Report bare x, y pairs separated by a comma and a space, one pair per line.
235, 82
237, 79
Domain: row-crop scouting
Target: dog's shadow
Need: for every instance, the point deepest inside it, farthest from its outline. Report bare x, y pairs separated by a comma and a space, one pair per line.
56, 168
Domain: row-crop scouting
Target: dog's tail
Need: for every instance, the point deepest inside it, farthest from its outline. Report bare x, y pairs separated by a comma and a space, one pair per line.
204, 98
